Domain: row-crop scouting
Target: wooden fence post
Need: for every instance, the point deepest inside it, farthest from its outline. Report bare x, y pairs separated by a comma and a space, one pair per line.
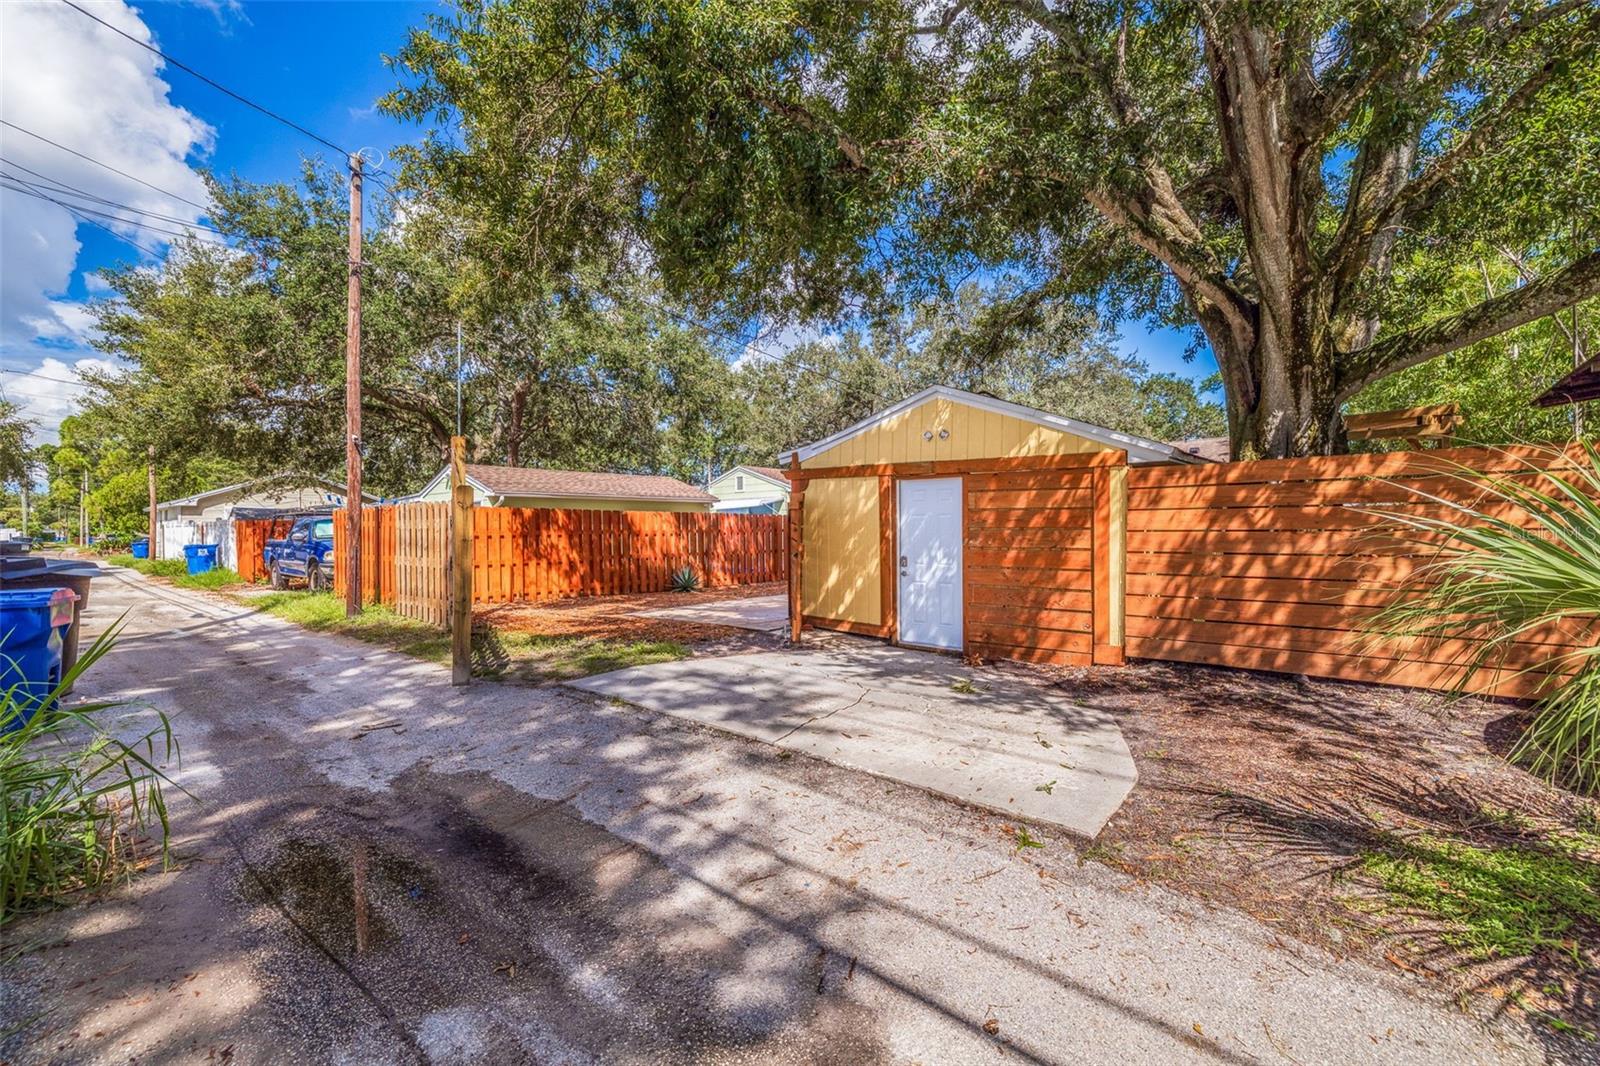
796, 545
1110, 563
460, 565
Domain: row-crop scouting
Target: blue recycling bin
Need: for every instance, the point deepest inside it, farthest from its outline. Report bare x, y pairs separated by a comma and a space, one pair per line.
140, 547
200, 557
33, 629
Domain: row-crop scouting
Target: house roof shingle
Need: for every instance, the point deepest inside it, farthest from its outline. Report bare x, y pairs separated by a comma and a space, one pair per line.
770, 471
1211, 449
529, 481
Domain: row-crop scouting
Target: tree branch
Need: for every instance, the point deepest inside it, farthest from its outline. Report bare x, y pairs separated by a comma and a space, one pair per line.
1416, 196
947, 18
1553, 292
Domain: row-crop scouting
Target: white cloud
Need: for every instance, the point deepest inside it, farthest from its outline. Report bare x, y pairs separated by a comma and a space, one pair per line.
49, 392
68, 79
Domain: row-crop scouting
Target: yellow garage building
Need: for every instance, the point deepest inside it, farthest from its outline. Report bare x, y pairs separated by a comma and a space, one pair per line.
962, 522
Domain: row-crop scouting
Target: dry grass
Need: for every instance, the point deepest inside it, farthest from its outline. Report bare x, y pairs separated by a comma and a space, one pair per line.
1377, 822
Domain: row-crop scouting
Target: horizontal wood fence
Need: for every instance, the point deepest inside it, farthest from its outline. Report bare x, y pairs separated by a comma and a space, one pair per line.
251, 536
554, 553
1280, 564
1029, 565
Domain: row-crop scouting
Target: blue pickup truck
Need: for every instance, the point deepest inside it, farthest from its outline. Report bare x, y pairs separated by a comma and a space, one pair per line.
306, 554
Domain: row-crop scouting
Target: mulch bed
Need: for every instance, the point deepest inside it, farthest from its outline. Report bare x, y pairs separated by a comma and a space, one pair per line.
1263, 792
616, 618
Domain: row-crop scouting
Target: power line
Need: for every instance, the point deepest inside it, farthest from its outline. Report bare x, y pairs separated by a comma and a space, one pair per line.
98, 163
209, 81
57, 185
75, 212
44, 377
81, 211
263, 109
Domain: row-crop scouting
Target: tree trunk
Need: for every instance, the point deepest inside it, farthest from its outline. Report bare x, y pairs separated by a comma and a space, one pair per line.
1285, 401
519, 407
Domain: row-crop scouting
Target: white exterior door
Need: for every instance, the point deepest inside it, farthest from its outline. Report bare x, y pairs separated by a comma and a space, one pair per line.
930, 563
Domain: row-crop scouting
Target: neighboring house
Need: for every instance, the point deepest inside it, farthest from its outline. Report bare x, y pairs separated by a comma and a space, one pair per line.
751, 490
207, 517
965, 523
517, 486
1211, 449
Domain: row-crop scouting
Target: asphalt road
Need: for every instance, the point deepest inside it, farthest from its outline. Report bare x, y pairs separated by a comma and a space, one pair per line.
556, 878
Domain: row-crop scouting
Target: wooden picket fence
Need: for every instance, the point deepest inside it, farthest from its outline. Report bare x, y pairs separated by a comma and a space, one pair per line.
251, 536
421, 561
542, 554
1281, 564
554, 553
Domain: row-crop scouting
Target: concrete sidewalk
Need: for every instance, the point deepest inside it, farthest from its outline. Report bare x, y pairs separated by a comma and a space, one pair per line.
916, 717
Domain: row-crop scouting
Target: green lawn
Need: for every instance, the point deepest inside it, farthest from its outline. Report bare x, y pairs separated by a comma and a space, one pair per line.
177, 572
1496, 902
496, 654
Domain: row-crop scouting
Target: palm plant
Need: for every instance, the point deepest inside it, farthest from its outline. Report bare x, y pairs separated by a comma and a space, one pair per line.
75, 795
685, 580
1518, 566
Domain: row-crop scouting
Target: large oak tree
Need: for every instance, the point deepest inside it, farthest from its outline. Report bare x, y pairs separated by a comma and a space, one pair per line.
1258, 170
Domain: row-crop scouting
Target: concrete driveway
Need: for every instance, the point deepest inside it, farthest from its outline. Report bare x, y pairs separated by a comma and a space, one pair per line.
927, 720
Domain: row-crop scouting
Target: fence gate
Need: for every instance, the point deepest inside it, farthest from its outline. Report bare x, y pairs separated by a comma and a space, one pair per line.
422, 561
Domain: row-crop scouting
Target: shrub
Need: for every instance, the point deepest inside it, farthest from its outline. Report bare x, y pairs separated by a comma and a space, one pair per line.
1525, 558
77, 798
685, 580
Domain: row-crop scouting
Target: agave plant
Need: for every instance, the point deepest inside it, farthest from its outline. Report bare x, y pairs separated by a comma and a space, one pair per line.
685, 580
1522, 561
74, 797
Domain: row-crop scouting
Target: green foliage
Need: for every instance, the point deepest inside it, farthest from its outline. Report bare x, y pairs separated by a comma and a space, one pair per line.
1498, 902
74, 795
804, 160
1523, 558
1494, 379
685, 580
15, 452
240, 358
1055, 358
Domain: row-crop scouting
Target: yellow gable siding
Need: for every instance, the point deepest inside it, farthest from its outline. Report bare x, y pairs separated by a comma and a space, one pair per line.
974, 434
840, 577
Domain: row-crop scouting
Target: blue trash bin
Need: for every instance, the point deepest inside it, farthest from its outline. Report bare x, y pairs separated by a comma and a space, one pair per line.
33, 626
140, 547
200, 557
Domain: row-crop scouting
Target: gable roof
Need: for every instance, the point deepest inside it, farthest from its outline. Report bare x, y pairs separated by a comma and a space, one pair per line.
534, 481
1211, 449
285, 482
768, 473
1139, 449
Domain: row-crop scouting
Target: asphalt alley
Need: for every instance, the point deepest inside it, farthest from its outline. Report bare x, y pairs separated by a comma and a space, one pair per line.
554, 876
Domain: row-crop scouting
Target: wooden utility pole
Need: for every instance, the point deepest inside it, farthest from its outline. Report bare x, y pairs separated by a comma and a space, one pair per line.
460, 565
83, 509
152, 457
352, 406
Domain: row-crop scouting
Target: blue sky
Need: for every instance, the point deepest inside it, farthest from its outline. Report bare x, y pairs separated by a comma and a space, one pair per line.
66, 78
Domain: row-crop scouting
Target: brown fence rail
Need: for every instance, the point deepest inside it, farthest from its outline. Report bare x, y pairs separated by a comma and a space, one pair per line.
553, 553
1280, 564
